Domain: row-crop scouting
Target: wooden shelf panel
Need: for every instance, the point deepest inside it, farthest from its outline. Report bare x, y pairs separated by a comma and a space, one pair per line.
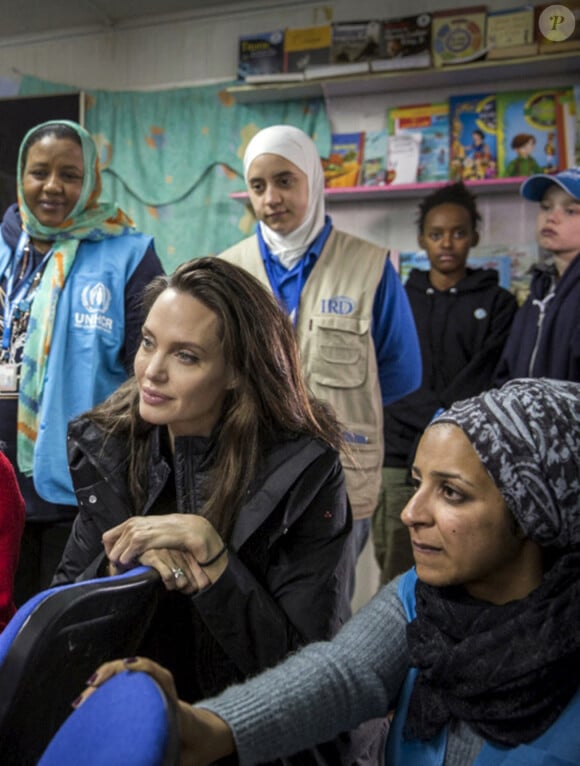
549, 64
402, 191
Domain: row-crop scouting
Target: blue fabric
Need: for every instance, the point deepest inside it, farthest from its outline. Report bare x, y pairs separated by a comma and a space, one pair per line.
124, 722
557, 746
10, 632
88, 327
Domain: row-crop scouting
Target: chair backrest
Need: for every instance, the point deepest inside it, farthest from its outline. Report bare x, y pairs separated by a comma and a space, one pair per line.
129, 721
54, 642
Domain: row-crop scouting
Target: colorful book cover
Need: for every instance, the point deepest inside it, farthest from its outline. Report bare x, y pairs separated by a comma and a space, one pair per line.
307, 46
458, 34
511, 33
354, 41
374, 164
429, 122
527, 138
406, 43
343, 164
473, 147
261, 54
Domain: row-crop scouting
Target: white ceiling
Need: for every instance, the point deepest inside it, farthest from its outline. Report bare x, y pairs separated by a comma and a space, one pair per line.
32, 18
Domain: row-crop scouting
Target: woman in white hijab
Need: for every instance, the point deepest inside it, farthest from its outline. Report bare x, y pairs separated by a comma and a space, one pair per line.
355, 328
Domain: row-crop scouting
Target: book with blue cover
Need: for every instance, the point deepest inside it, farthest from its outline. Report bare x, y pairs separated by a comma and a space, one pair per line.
473, 127
261, 53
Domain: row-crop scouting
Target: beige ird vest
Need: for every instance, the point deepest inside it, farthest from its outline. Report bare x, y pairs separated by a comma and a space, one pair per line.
338, 353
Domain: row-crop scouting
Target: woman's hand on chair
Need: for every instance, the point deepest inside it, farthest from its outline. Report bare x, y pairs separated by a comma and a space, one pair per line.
204, 736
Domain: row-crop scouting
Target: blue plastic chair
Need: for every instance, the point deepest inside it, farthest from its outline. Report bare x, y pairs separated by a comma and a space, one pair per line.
129, 721
54, 642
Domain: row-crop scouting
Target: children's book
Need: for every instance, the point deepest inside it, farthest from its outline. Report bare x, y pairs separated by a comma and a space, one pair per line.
473, 140
527, 139
458, 35
261, 54
374, 164
355, 41
430, 123
342, 166
307, 46
406, 43
511, 33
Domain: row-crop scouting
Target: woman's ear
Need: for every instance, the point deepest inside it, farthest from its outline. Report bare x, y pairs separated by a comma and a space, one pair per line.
475, 239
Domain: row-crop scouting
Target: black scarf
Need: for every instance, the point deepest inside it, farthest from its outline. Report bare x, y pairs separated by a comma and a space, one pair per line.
507, 671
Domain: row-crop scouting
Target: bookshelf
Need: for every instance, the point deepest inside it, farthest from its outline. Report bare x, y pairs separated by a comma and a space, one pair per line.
556, 65
402, 191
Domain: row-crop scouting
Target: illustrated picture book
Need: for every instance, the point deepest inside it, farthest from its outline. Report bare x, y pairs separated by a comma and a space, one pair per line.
527, 136
343, 164
429, 124
374, 164
473, 139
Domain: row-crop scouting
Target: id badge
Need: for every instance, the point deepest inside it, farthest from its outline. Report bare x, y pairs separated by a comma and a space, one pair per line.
8, 377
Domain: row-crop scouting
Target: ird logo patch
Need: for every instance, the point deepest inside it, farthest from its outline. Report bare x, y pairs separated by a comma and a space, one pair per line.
339, 304
96, 299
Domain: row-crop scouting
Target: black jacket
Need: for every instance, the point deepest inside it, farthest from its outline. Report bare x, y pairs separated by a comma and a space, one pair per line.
462, 332
545, 337
286, 583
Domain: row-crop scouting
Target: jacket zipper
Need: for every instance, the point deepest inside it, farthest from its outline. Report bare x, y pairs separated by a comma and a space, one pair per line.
542, 306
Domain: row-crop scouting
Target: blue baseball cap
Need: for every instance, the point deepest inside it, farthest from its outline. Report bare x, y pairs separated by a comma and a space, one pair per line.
534, 187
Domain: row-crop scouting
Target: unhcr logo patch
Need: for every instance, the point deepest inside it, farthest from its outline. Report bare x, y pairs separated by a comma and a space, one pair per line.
340, 304
96, 300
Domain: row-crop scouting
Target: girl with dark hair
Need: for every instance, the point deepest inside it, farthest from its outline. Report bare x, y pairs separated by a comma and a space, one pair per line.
72, 270
215, 466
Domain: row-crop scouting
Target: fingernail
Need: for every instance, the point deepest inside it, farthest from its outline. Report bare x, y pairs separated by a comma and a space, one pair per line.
130, 660
90, 681
77, 702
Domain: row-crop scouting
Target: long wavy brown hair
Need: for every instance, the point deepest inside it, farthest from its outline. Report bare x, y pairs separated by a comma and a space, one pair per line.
270, 398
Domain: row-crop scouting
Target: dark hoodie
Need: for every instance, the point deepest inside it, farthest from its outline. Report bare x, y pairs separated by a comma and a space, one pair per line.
545, 338
462, 332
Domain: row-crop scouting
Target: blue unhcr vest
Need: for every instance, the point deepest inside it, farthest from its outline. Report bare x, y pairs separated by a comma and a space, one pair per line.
558, 746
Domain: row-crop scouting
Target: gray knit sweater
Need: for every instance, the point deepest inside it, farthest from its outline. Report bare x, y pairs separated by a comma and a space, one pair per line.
329, 687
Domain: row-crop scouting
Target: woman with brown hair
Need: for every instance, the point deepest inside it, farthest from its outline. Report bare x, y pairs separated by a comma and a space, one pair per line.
216, 467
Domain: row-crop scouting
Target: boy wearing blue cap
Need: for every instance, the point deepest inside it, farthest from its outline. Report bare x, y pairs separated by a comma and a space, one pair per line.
544, 340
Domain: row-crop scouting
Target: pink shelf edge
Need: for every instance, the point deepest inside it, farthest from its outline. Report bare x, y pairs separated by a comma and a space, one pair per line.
353, 191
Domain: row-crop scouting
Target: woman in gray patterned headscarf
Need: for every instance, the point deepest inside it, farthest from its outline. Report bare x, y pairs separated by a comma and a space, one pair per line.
478, 646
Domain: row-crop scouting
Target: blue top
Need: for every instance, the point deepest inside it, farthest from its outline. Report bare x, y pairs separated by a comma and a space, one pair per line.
398, 358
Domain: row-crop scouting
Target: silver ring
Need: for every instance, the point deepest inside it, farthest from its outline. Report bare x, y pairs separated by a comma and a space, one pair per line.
177, 572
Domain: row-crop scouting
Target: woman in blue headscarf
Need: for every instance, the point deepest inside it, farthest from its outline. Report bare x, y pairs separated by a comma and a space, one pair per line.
72, 270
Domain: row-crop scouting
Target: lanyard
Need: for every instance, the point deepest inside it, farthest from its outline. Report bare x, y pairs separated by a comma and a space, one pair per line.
14, 298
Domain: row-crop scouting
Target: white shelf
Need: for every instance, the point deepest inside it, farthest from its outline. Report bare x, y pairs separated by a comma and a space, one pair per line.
402, 191
556, 65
